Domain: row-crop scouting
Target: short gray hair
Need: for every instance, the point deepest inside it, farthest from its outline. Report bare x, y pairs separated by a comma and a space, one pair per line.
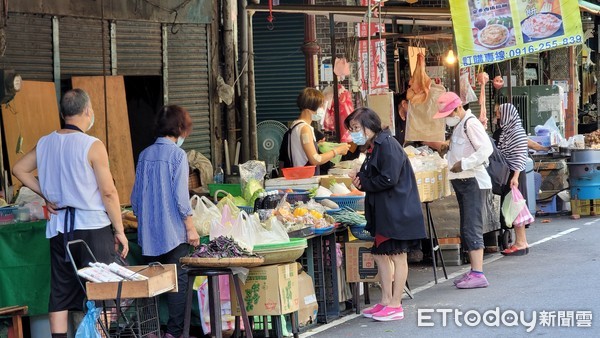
74, 102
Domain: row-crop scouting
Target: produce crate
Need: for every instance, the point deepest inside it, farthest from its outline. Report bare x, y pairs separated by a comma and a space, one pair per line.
233, 189
356, 203
320, 262
585, 207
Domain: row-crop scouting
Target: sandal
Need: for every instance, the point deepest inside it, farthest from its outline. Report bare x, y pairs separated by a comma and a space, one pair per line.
514, 251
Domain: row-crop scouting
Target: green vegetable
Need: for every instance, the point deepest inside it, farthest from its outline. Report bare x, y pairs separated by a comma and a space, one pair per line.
250, 189
350, 217
312, 192
240, 201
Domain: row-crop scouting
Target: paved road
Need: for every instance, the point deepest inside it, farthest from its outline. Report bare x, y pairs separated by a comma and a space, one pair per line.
561, 273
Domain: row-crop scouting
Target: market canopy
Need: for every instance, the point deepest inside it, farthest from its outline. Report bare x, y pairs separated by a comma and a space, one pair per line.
589, 7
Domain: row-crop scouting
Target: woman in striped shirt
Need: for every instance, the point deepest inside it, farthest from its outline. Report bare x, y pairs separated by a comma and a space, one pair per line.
511, 140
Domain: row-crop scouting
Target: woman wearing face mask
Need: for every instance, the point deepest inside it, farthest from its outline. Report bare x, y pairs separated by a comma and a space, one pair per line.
303, 144
511, 140
161, 183
392, 208
470, 147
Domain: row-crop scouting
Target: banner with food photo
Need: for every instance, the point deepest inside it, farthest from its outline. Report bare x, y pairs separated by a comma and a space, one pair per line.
490, 31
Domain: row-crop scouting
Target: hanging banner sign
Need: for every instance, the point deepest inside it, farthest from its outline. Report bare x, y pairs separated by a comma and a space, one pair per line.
375, 53
490, 31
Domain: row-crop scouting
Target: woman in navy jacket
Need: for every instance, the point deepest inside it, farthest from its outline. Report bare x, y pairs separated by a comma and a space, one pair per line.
392, 208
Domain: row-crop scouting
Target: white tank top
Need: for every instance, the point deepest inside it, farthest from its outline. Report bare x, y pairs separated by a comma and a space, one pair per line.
67, 179
299, 157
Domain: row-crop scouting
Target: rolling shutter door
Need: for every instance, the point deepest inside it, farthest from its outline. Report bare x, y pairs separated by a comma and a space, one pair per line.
279, 67
188, 74
29, 46
139, 48
81, 47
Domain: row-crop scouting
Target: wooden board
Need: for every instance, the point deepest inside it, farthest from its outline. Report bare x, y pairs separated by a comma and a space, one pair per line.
120, 151
246, 262
32, 114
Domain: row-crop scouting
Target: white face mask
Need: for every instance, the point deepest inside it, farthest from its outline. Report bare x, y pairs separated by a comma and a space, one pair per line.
319, 114
180, 141
92, 123
452, 121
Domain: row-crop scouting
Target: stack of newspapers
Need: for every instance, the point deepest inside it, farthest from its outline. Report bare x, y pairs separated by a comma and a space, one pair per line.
113, 272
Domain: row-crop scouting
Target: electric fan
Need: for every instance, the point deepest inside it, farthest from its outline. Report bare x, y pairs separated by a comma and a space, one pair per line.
269, 136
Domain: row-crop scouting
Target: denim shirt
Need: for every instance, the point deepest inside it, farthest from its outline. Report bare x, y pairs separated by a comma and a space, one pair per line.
160, 197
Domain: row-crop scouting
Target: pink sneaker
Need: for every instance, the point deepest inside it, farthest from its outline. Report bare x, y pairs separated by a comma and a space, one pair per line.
473, 281
389, 313
373, 309
461, 278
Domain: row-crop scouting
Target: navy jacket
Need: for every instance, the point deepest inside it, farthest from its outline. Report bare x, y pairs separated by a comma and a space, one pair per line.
392, 204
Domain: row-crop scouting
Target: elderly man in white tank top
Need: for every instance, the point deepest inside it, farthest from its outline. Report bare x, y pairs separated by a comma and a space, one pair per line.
75, 181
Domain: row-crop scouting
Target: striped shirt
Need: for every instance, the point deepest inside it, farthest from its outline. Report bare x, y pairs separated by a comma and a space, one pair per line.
513, 139
160, 197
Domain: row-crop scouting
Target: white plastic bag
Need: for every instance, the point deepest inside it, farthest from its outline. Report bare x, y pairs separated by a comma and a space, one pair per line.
271, 232
204, 213
243, 232
222, 226
512, 206
467, 94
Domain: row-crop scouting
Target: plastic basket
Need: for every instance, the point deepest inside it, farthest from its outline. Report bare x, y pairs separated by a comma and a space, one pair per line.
5, 211
356, 203
248, 210
233, 189
359, 232
297, 173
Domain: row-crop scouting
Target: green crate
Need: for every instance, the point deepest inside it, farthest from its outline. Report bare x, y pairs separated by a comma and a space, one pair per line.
233, 189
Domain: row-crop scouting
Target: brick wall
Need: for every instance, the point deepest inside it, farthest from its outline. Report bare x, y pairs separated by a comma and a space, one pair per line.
342, 29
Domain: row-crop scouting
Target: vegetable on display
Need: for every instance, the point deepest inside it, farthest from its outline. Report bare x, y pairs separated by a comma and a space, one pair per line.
222, 247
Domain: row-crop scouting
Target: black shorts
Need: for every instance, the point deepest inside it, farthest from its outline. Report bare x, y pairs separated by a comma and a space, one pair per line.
65, 291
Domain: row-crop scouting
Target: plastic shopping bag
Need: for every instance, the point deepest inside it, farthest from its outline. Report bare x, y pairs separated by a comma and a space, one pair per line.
88, 328
271, 232
227, 319
222, 226
242, 232
204, 213
512, 206
523, 218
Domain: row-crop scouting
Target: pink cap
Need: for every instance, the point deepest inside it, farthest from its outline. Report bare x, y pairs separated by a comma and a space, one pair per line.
447, 102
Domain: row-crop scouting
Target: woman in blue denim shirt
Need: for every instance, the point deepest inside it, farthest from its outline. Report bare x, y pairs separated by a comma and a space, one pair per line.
160, 200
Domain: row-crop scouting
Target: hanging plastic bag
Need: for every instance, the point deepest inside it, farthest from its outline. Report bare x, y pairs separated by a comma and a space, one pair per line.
88, 327
512, 206
467, 94
204, 213
523, 218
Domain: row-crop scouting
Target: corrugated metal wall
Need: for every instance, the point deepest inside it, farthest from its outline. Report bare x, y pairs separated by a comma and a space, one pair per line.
139, 48
81, 47
279, 66
188, 78
29, 46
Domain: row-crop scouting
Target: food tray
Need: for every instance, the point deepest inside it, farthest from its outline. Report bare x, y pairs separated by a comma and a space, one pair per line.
356, 203
245, 262
279, 256
359, 232
300, 233
320, 231
293, 243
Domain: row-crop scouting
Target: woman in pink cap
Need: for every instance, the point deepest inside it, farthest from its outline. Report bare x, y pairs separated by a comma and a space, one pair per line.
469, 149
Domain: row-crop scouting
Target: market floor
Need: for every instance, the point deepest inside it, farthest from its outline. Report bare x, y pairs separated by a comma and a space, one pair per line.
553, 291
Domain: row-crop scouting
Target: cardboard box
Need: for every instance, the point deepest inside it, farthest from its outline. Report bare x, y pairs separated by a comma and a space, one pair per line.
161, 279
307, 312
326, 181
360, 264
429, 184
269, 290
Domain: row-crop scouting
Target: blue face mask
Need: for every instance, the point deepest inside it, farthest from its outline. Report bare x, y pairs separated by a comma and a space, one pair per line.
359, 138
180, 141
